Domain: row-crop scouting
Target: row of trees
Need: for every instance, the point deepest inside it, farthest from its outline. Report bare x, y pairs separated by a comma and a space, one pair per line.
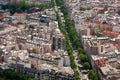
73, 35
22, 6
75, 40
9, 74
68, 46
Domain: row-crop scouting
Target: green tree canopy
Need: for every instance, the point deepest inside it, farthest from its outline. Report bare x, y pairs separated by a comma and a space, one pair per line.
9, 74
22, 6
86, 65
83, 58
92, 75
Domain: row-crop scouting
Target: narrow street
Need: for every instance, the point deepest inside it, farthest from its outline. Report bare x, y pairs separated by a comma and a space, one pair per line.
82, 72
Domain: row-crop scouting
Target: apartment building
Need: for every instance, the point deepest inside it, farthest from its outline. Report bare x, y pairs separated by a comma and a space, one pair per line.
92, 47
58, 41
19, 16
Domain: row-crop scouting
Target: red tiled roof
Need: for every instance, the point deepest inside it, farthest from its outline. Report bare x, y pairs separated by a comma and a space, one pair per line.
117, 45
100, 62
12, 24
111, 32
98, 8
118, 0
19, 14
1, 17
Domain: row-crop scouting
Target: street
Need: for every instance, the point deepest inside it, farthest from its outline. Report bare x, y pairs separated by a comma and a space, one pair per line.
82, 72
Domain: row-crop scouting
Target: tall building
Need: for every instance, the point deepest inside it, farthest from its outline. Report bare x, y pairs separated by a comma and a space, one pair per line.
92, 48
58, 43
